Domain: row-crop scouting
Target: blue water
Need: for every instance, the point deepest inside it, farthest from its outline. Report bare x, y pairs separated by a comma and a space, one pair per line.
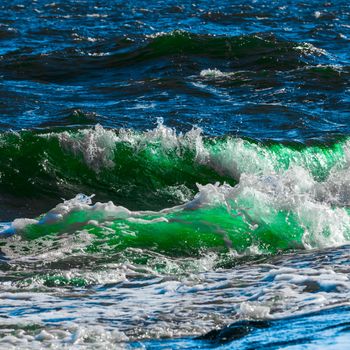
137, 102
67, 58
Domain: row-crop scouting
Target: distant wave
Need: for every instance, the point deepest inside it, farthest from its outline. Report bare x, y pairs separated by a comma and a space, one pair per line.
256, 51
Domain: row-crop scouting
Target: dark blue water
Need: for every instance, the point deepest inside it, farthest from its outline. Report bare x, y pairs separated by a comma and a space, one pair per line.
137, 102
85, 62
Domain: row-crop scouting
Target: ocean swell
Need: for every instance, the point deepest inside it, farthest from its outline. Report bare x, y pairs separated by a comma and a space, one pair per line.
175, 49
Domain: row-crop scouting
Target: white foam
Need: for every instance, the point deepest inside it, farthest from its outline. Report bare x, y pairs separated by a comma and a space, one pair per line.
214, 73
253, 311
72, 337
309, 49
16, 226
95, 145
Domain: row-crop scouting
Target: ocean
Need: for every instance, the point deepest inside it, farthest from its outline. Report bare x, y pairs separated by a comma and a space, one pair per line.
174, 175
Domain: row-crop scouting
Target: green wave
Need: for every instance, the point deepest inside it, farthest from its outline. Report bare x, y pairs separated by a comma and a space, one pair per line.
139, 169
252, 52
177, 234
131, 171
222, 219
273, 196
263, 51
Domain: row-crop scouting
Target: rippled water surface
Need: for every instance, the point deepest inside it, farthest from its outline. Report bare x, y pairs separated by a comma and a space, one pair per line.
174, 175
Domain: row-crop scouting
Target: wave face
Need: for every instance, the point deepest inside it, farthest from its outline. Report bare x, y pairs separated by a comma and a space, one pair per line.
272, 196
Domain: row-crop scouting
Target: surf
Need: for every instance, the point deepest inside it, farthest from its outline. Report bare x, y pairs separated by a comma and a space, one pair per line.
228, 194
